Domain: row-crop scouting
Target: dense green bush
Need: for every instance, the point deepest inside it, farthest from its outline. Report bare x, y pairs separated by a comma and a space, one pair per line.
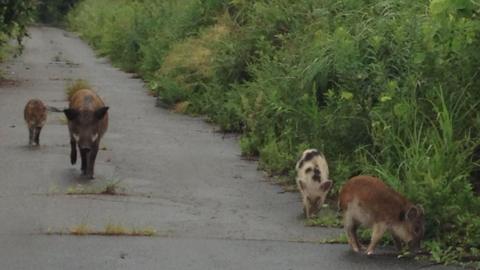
382, 87
14, 18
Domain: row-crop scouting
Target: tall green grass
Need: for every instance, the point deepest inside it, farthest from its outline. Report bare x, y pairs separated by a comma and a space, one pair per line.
382, 87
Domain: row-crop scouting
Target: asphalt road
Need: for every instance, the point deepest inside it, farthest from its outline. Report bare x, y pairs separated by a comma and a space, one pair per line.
210, 208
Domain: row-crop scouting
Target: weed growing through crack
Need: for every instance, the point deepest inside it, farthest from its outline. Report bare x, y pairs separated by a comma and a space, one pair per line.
327, 217
329, 221
111, 187
111, 229
81, 229
118, 229
57, 58
340, 239
63, 120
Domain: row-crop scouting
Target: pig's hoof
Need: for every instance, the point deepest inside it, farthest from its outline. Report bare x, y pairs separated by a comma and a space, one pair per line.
369, 252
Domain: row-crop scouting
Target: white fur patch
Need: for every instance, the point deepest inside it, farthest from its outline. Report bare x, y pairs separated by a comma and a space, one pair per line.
94, 137
76, 137
313, 187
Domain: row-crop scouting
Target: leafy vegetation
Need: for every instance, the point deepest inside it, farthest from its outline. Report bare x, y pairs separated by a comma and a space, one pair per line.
16, 15
14, 18
384, 87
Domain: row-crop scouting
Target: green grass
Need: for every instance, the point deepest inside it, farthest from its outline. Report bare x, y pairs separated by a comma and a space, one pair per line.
111, 187
329, 221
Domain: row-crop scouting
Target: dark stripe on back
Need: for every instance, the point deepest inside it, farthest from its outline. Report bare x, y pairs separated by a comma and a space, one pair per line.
311, 155
308, 157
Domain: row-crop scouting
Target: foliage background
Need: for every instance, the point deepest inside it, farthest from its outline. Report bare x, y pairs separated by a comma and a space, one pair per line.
53, 11
16, 15
14, 18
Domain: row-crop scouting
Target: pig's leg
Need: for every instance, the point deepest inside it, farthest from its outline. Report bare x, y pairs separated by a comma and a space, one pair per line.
377, 232
84, 156
398, 242
37, 135
92, 156
314, 206
31, 135
351, 227
73, 151
306, 206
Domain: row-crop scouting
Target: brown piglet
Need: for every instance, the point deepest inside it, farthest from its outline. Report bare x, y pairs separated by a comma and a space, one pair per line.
87, 123
367, 201
35, 114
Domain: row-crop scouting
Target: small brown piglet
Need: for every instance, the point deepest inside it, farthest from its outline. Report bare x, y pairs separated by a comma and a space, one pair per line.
35, 114
367, 201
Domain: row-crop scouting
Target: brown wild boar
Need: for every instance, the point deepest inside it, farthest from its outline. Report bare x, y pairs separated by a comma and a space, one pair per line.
35, 114
87, 122
312, 180
367, 201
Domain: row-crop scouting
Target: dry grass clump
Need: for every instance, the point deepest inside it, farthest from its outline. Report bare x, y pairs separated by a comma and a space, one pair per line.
74, 86
111, 229
109, 188
192, 60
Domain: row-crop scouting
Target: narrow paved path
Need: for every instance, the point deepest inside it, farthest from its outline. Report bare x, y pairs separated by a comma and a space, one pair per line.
211, 209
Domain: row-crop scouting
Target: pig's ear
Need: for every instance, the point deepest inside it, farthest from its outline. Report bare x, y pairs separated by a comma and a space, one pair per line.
299, 164
326, 185
71, 114
100, 113
412, 213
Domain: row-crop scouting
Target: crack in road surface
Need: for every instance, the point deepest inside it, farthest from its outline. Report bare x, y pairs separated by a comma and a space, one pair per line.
200, 187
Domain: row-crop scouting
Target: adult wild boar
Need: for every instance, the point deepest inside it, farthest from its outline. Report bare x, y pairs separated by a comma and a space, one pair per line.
312, 180
366, 200
87, 122
35, 114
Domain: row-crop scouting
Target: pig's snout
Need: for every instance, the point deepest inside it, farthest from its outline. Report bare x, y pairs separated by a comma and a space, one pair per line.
85, 149
316, 175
